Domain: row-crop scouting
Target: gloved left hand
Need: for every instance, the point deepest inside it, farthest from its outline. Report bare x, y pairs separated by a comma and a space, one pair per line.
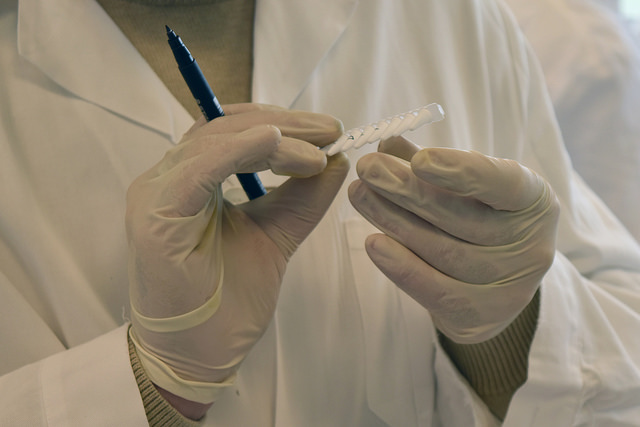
466, 235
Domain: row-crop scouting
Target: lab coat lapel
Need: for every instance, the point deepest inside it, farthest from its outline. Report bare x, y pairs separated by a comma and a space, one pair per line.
287, 53
93, 60
291, 39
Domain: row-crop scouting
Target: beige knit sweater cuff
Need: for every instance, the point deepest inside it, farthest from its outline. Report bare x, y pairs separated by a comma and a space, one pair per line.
496, 368
159, 411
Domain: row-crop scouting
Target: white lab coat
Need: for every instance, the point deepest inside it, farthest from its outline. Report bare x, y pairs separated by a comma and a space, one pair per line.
591, 63
85, 115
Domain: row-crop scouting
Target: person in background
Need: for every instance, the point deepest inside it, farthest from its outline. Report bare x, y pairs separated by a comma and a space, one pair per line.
470, 280
591, 63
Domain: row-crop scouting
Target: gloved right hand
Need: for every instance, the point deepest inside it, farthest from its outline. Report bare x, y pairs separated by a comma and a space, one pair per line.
205, 274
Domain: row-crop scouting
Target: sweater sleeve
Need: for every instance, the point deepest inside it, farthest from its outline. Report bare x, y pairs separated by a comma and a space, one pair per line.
159, 412
496, 368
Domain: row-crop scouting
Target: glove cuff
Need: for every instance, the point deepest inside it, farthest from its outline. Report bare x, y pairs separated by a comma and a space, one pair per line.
183, 321
159, 412
161, 374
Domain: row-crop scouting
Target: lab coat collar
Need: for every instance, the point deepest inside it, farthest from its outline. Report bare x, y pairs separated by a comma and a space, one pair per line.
77, 45
283, 65
93, 60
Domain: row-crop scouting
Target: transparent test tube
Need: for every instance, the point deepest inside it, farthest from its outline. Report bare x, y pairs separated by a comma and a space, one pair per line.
385, 128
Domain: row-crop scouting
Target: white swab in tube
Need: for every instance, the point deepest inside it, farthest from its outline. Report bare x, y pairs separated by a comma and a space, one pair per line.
386, 128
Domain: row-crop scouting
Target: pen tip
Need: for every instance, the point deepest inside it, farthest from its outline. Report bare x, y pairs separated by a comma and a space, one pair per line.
169, 30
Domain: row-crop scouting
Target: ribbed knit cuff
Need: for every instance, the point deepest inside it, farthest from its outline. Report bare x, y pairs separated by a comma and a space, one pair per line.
496, 368
172, 3
159, 411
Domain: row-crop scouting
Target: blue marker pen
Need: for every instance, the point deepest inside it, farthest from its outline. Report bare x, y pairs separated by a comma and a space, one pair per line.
208, 103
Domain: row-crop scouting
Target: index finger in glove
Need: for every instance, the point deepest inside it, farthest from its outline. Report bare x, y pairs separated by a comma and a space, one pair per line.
463, 217
302, 132
315, 128
184, 181
465, 213
500, 183
491, 180
293, 157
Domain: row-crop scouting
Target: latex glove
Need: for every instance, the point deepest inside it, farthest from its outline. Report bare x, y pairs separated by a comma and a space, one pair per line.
205, 274
467, 236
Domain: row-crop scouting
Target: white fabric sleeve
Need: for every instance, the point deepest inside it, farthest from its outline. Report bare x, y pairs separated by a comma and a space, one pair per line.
92, 384
584, 363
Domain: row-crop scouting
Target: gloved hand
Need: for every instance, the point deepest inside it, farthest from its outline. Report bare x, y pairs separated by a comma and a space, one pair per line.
205, 274
466, 235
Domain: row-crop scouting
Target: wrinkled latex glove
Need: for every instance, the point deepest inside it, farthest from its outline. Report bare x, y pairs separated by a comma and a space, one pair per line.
205, 274
467, 236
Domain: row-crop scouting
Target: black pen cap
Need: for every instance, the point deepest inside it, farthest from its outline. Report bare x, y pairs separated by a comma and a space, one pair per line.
180, 51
